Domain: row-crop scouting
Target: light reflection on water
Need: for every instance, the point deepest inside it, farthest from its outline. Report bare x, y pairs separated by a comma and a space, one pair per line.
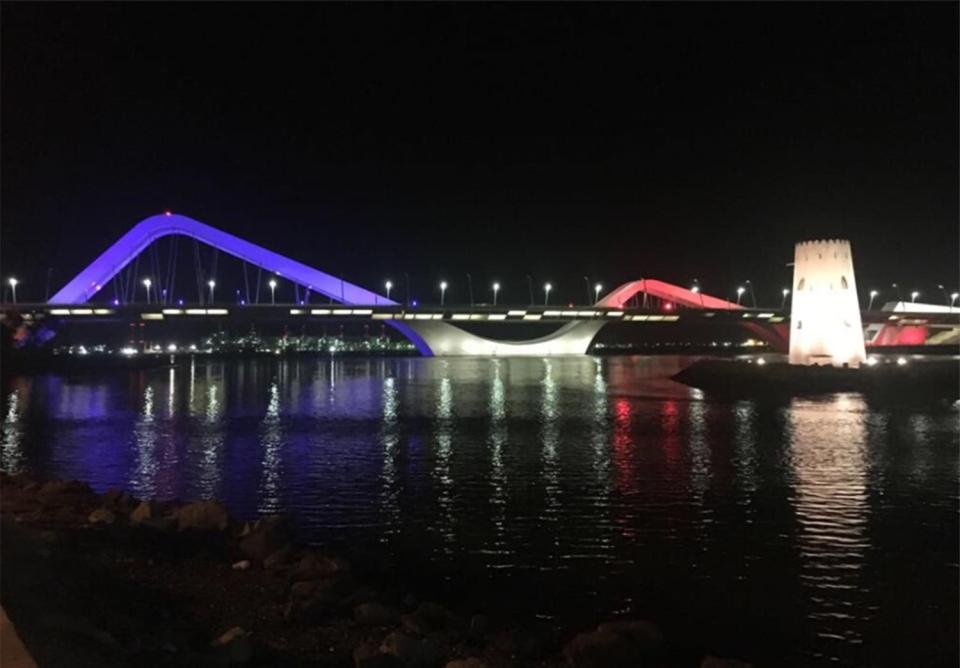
793, 532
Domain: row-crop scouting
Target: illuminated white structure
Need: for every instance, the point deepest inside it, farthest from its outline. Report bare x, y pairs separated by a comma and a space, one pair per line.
825, 317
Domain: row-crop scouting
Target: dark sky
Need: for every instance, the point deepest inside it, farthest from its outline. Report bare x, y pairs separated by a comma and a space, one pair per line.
615, 141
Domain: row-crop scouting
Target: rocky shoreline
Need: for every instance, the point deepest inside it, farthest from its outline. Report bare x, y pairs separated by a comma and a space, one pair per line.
109, 580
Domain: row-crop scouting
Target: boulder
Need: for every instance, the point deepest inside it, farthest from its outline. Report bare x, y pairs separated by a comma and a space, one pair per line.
402, 647
264, 537
102, 516
57, 487
234, 646
368, 655
469, 662
312, 566
118, 501
145, 511
375, 614
279, 557
602, 649
434, 614
434, 649
717, 662
646, 635
478, 626
202, 515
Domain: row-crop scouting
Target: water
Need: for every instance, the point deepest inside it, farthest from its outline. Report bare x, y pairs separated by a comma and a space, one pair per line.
816, 531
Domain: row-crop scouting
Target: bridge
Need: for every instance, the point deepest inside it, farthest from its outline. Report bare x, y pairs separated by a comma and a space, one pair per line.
434, 331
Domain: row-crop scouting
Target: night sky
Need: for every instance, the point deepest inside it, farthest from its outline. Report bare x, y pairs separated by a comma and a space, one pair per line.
674, 141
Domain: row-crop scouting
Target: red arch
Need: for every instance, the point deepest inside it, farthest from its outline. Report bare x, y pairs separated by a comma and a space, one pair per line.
667, 291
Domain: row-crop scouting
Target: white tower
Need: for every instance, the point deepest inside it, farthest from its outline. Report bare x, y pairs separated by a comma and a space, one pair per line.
825, 323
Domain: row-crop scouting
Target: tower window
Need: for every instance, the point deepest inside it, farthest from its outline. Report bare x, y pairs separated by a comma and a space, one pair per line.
800, 284
843, 283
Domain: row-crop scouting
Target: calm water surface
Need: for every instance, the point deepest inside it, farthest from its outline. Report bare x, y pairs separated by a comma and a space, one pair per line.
815, 531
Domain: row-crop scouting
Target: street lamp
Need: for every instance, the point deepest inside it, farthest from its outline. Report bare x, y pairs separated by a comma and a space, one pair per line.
147, 283
388, 285
897, 288
873, 295
783, 301
913, 296
13, 288
695, 288
944, 291
740, 291
953, 298
212, 284
496, 289
443, 291
273, 291
546, 293
596, 292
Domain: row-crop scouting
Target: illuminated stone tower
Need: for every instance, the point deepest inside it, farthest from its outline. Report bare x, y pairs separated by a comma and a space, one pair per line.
825, 323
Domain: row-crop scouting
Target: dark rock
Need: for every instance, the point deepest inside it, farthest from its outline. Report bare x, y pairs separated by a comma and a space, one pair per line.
478, 626
233, 647
470, 662
265, 536
646, 635
415, 625
375, 614
312, 566
279, 557
241, 565
434, 614
434, 649
102, 516
602, 649
717, 662
58, 487
203, 515
368, 655
118, 501
402, 647
145, 511
304, 589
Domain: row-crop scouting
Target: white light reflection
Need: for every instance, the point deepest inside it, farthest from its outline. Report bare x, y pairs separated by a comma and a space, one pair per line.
211, 443
828, 440
143, 481
11, 452
498, 476
442, 469
549, 415
271, 438
389, 435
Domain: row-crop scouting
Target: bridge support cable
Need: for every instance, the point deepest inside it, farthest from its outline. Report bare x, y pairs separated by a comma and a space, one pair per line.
259, 275
198, 271
172, 266
246, 282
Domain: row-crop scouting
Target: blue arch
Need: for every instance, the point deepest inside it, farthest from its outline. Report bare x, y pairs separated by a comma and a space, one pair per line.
99, 272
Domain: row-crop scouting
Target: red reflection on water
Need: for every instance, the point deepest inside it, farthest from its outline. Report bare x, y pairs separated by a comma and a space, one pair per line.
624, 461
670, 423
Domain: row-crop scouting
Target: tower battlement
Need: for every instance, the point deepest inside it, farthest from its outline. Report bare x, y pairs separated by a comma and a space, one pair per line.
825, 325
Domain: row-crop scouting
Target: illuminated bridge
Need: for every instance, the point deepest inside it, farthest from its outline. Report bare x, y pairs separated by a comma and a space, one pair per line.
433, 330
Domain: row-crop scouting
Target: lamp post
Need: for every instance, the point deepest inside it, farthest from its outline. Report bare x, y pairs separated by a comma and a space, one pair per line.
496, 289
586, 284
212, 284
944, 291
873, 295
913, 296
740, 291
753, 295
13, 289
546, 293
273, 291
897, 288
388, 285
147, 283
953, 298
596, 292
783, 300
443, 291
